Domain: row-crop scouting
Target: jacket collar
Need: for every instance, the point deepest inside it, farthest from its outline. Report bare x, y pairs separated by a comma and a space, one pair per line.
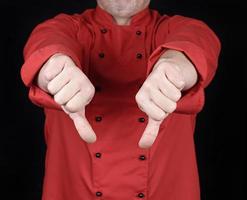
141, 18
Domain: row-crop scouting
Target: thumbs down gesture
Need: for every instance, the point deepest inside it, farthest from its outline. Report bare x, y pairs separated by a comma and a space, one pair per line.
160, 92
71, 89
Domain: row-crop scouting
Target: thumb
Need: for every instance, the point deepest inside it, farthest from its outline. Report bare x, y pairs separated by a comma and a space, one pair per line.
174, 75
150, 133
82, 125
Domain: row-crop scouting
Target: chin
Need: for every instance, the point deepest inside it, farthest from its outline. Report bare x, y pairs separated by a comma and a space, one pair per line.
123, 8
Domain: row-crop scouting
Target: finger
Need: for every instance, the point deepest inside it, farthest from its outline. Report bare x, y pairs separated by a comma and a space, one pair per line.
58, 82
65, 110
83, 127
174, 75
152, 110
150, 133
52, 68
169, 89
67, 92
162, 101
77, 102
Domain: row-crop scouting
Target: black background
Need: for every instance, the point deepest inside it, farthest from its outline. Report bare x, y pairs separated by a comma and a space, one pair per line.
221, 126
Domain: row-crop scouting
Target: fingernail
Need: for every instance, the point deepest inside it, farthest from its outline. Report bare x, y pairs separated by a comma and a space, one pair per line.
143, 145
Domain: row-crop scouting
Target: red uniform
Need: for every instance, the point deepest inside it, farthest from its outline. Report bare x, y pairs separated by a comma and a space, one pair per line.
117, 59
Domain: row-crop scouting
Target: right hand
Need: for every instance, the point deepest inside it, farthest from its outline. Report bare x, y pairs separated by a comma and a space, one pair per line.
71, 89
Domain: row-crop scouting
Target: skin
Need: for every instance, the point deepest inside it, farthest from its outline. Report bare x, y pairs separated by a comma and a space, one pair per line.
158, 96
71, 89
123, 10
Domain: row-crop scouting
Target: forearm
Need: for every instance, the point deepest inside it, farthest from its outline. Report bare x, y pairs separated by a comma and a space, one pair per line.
186, 67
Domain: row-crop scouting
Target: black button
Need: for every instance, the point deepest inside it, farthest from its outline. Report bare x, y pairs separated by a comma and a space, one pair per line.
98, 118
142, 157
101, 55
98, 155
141, 119
99, 194
138, 32
141, 195
103, 30
97, 88
139, 56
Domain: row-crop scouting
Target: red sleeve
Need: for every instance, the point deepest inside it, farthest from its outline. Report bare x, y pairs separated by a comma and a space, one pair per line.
56, 35
199, 43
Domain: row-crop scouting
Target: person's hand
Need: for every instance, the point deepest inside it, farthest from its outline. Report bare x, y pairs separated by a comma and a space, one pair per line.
161, 90
71, 89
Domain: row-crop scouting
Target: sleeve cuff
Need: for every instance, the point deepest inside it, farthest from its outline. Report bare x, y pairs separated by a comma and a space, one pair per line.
42, 99
31, 67
35, 61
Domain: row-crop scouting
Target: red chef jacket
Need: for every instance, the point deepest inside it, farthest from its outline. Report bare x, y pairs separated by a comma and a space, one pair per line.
117, 59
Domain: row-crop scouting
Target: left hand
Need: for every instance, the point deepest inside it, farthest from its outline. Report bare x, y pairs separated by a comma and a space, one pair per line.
160, 92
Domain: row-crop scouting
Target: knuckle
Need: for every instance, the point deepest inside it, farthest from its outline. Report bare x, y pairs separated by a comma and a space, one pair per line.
178, 69
69, 71
88, 100
140, 107
152, 95
72, 107
159, 66
77, 83
65, 58
171, 107
52, 60
147, 85
178, 96
47, 75
139, 97
58, 99
92, 90
156, 76
160, 116
50, 88
89, 90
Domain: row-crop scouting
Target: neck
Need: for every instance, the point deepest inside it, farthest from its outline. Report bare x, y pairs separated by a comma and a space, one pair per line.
122, 20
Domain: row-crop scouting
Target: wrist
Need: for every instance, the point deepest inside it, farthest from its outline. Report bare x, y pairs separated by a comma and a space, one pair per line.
184, 65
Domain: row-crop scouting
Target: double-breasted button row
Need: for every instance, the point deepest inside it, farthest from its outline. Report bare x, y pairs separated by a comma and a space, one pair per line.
99, 155
104, 30
138, 55
99, 118
99, 194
